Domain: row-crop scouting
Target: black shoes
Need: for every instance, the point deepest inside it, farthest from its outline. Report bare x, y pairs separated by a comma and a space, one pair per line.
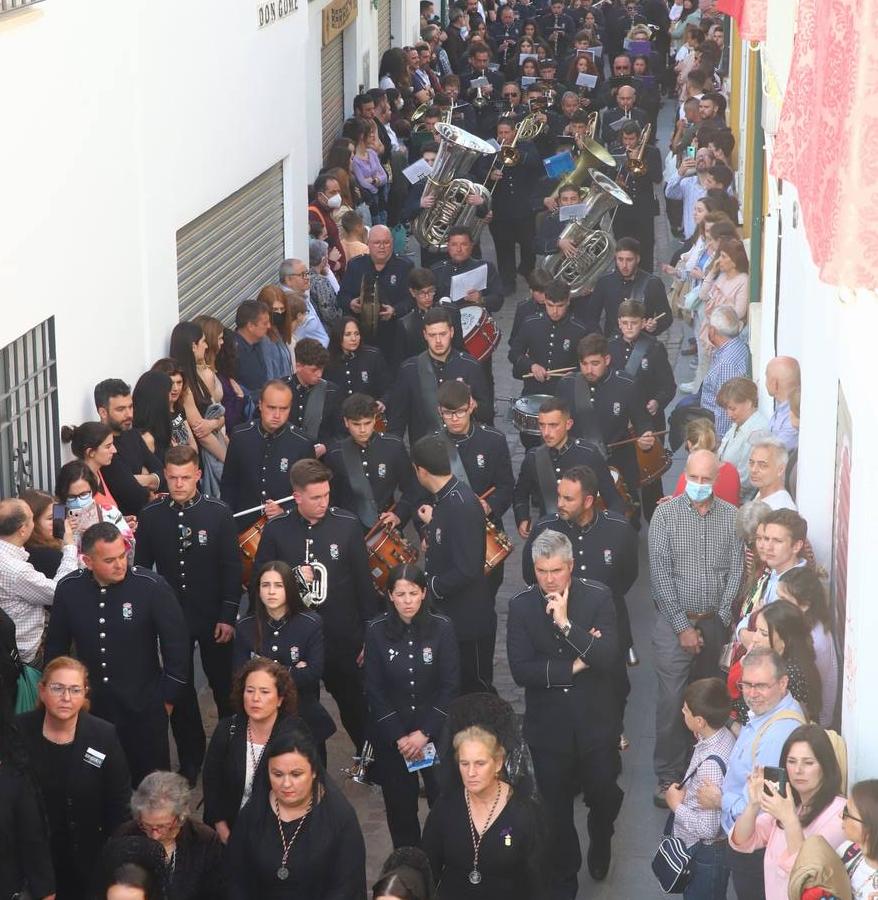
599, 855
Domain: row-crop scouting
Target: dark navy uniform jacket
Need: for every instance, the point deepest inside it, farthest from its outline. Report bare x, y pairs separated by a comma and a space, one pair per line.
546, 343
563, 710
412, 674
118, 631
444, 271
330, 423
654, 378
455, 561
611, 289
257, 466
605, 550
362, 372
194, 547
337, 542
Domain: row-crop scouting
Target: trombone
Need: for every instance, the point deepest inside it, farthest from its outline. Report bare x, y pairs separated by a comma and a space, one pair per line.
508, 154
636, 164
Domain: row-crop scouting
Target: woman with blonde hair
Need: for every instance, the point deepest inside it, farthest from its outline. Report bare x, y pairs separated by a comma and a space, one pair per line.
740, 399
701, 435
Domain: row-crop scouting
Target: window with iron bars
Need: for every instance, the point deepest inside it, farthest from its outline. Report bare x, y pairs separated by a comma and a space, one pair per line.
29, 443
13, 5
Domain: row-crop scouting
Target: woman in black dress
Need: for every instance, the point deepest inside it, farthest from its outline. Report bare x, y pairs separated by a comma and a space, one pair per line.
298, 838
355, 367
80, 767
282, 629
482, 836
265, 697
412, 673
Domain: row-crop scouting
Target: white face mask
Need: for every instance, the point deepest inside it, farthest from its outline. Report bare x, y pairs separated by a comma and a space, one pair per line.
464, 33
333, 202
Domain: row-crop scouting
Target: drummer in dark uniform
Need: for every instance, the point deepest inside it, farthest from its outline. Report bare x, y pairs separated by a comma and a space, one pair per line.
412, 403
604, 549
455, 561
412, 673
642, 357
192, 542
372, 472
281, 628
316, 402
129, 630
315, 532
410, 327
542, 467
605, 405
538, 281
260, 455
546, 342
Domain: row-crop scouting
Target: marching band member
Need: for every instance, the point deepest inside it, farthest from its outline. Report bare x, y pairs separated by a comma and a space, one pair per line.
354, 366
542, 467
315, 404
538, 281
314, 532
410, 328
454, 562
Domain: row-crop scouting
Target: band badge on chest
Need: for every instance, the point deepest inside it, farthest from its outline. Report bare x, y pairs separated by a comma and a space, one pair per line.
480, 460
202, 537
284, 464
393, 279
617, 409
333, 551
294, 654
438, 535
127, 612
566, 344
392, 654
382, 470
428, 655
608, 556
644, 364
364, 376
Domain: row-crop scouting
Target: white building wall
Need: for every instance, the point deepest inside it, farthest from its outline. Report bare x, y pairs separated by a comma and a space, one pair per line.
122, 122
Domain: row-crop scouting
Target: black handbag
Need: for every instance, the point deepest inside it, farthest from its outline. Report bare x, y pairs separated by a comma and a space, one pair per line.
672, 863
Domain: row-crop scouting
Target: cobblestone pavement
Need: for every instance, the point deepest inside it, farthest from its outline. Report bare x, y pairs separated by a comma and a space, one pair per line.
640, 823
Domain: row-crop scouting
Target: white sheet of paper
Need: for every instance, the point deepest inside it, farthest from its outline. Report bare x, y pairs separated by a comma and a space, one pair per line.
596, 52
480, 82
676, 12
528, 80
566, 213
523, 56
583, 79
474, 280
417, 171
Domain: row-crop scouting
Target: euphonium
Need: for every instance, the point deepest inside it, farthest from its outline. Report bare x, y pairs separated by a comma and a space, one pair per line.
313, 592
591, 156
636, 163
594, 246
458, 151
419, 114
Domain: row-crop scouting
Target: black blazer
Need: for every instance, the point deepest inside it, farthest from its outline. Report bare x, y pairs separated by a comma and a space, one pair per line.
562, 708
97, 797
25, 858
199, 872
225, 767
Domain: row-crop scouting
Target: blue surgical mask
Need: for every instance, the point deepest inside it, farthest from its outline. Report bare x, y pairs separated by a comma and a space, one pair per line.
698, 493
79, 502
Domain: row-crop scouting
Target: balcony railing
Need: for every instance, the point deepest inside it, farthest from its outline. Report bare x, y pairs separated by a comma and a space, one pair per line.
8, 6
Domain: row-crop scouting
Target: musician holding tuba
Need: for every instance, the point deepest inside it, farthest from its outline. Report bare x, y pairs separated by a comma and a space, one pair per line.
327, 543
412, 672
639, 169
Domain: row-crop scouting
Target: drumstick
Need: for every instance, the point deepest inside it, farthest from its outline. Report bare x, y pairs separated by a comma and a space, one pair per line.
632, 440
261, 506
553, 372
656, 318
378, 523
487, 493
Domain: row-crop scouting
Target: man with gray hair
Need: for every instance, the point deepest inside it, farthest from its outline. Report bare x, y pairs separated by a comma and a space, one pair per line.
696, 562
730, 359
562, 649
774, 715
295, 278
768, 466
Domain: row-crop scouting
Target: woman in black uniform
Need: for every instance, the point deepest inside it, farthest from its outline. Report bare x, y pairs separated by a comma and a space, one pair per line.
282, 629
265, 697
412, 673
298, 838
355, 367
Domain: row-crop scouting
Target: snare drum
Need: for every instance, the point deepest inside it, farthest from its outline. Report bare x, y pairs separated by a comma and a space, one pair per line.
631, 510
380, 422
525, 412
387, 548
497, 547
248, 544
481, 334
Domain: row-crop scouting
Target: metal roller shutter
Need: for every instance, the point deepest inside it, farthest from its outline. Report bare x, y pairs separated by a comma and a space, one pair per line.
332, 90
384, 35
225, 255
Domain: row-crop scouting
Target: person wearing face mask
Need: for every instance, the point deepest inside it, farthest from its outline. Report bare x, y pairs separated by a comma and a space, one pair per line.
327, 198
696, 563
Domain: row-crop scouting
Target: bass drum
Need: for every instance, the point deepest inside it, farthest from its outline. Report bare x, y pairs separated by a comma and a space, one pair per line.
525, 413
653, 463
481, 334
387, 548
248, 544
497, 546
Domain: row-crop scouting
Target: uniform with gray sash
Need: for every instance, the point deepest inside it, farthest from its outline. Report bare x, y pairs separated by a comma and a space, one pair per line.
316, 409
610, 290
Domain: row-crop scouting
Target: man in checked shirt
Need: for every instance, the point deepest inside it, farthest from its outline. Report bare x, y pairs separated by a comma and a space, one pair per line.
696, 564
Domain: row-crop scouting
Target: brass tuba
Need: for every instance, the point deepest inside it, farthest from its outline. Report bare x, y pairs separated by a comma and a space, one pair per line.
636, 163
594, 247
371, 306
458, 151
592, 155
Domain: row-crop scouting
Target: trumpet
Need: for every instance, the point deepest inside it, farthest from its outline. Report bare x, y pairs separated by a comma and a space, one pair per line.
313, 592
480, 101
357, 772
635, 163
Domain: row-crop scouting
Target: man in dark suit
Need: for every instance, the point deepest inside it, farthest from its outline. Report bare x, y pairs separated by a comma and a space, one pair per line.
562, 649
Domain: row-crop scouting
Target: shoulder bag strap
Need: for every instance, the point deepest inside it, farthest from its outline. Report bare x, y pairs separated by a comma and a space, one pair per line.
638, 351
546, 480
457, 467
428, 389
313, 414
777, 717
585, 417
366, 507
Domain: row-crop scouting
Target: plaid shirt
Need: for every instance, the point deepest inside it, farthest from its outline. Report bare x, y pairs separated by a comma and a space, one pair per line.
696, 562
25, 592
692, 823
732, 360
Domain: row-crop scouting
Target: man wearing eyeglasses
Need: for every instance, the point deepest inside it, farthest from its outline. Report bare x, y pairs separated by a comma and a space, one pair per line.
410, 328
192, 542
295, 278
774, 715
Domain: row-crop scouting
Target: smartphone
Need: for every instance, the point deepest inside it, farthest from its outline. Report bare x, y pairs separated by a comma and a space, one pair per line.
776, 776
59, 514
690, 152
